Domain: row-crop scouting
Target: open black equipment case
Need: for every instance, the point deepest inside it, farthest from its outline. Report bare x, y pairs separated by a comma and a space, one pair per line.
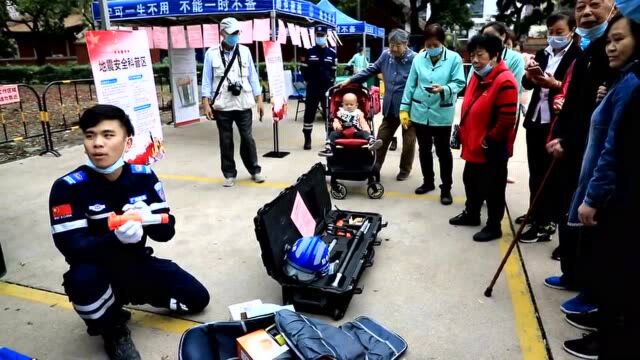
276, 232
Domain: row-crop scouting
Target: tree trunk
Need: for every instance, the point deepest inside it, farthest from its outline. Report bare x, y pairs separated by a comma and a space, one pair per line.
41, 45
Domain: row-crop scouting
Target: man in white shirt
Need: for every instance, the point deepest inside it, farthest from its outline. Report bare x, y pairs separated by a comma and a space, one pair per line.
230, 89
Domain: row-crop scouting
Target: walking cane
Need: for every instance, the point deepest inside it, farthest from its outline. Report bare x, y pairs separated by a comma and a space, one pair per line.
532, 207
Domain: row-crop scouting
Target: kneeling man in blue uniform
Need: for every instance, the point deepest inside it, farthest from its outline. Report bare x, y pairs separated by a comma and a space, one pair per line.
112, 268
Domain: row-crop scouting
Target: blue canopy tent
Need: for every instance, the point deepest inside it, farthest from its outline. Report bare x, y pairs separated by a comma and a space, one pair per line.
347, 25
182, 12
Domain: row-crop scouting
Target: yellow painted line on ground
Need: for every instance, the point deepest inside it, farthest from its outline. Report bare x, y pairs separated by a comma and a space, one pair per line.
279, 186
528, 330
138, 317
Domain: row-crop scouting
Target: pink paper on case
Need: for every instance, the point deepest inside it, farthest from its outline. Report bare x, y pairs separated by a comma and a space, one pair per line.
246, 32
282, 32
178, 39
160, 38
305, 38
294, 34
262, 29
194, 33
210, 35
302, 218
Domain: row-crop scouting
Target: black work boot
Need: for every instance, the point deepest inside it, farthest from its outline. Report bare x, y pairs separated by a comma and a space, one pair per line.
488, 233
307, 140
118, 344
465, 219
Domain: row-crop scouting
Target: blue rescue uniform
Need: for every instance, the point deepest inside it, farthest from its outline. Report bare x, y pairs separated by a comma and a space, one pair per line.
104, 273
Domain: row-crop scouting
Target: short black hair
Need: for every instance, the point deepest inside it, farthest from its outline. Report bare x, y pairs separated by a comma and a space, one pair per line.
98, 113
501, 28
491, 43
433, 31
560, 16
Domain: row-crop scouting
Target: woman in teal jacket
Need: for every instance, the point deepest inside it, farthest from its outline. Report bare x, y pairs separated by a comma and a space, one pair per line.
429, 102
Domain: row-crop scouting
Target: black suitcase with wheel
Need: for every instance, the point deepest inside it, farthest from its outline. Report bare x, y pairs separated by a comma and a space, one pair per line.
276, 233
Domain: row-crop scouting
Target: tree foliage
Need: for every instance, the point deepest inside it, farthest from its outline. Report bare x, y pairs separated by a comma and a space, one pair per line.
44, 18
444, 12
522, 14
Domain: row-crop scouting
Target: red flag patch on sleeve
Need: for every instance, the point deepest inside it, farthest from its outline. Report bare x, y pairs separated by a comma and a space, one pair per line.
61, 211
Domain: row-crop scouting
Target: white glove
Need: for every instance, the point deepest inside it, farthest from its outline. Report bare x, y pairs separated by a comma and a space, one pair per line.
130, 233
140, 207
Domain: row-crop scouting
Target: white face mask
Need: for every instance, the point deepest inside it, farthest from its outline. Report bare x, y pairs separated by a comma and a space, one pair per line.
109, 170
558, 42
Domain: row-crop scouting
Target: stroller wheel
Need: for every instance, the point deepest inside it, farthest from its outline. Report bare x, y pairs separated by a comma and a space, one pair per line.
338, 191
375, 190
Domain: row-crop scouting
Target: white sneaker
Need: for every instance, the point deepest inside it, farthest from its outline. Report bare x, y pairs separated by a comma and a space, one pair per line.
258, 178
229, 182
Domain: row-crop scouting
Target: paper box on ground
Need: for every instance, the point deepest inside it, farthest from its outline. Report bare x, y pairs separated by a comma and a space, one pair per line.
259, 345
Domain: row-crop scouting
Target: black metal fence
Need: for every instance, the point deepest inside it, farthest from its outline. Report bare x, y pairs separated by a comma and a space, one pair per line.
25, 119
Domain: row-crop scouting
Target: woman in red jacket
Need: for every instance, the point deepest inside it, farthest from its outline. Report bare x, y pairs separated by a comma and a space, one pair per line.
487, 132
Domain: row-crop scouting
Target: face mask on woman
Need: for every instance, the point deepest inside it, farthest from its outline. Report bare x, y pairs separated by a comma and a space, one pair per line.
559, 42
434, 52
484, 71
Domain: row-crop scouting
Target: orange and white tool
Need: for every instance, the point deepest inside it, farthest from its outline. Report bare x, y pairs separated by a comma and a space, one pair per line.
115, 221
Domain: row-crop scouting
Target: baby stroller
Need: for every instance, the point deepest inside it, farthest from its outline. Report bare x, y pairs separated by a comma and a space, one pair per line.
352, 160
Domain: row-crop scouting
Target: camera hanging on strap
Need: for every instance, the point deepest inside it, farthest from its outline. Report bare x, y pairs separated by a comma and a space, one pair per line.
227, 68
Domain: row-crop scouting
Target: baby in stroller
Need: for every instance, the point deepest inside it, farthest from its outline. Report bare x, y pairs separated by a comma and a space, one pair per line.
349, 123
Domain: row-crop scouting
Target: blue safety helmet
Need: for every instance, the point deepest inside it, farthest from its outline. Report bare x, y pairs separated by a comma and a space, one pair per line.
308, 259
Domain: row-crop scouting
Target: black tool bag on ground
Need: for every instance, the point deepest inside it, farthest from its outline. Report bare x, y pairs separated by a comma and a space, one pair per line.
276, 232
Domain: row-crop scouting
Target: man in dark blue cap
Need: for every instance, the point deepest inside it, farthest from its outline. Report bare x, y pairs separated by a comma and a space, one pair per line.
319, 71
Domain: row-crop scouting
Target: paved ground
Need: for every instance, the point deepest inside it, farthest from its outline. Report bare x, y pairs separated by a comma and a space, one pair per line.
427, 282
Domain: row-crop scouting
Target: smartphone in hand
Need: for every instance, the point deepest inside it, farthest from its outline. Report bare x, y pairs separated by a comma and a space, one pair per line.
429, 89
536, 71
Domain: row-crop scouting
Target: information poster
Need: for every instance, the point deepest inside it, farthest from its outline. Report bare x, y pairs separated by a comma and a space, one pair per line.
123, 77
184, 82
275, 74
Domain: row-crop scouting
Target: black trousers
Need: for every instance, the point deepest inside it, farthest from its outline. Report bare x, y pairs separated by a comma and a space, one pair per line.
486, 182
98, 291
587, 258
568, 238
440, 136
618, 272
315, 95
547, 209
248, 153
